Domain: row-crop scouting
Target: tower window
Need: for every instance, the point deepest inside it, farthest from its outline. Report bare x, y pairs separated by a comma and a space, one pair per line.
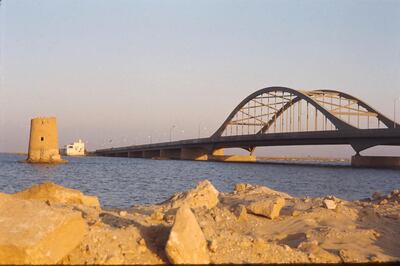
41, 138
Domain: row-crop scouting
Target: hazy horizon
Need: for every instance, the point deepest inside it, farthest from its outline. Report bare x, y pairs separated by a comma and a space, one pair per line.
116, 72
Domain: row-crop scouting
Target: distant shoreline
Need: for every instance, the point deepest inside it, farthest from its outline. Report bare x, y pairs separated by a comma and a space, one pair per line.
15, 153
308, 158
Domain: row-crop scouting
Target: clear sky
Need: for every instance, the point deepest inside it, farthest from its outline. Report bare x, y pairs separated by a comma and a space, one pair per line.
125, 70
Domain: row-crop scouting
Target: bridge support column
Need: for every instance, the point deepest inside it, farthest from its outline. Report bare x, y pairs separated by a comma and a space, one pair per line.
170, 154
121, 154
151, 154
375, 161
135, 154
219, 155
218, 152
198, 154
234, 158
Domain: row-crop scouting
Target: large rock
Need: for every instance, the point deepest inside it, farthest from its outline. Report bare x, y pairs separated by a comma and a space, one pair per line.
329, 204
269, 207
31, 232
186, 243
316, 254
203, 195
54, 193
248, 189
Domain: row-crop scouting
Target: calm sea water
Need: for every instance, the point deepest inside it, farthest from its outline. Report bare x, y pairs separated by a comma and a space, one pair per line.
122, 182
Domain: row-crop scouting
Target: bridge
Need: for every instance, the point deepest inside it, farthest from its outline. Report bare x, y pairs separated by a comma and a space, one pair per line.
280, 116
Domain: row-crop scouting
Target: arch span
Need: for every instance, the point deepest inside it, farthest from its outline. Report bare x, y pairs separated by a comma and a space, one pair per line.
388, 122
282, 109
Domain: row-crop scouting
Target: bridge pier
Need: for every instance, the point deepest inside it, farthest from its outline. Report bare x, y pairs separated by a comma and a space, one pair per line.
195, 153
135, 154
218, 152
174, 154
234, 158
121, 154
375, 161
219, 156
151, 154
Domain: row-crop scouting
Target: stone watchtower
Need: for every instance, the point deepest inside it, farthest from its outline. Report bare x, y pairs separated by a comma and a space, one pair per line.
43, 141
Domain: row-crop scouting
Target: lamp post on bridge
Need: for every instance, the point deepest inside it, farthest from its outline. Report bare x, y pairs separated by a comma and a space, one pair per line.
394, 111
200, 129
170, 132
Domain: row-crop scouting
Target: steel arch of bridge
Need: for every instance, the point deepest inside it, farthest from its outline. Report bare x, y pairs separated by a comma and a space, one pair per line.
336, 109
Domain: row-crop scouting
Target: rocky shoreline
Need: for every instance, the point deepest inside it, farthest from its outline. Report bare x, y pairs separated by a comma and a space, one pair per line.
49, 224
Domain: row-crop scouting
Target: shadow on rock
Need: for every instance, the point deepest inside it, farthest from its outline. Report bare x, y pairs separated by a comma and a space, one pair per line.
293, 240
154, 236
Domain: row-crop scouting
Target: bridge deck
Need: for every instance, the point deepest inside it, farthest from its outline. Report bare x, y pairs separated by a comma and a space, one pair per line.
364, 137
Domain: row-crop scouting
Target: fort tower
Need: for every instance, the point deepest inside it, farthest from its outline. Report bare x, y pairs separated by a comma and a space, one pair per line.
43, 141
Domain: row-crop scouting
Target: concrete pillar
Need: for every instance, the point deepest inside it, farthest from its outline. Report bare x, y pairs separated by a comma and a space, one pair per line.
170, 154
375, 161
218, 152
195, 153
219, 155
235, 158
151, 154
135, 154
43, 141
